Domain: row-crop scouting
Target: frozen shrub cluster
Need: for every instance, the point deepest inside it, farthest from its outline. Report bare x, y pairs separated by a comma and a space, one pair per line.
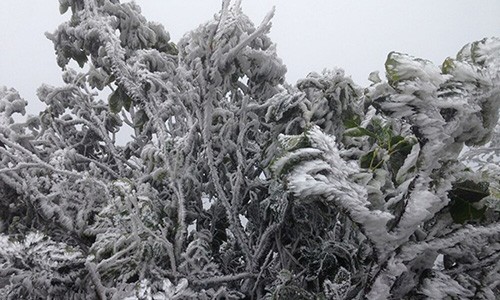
234, 184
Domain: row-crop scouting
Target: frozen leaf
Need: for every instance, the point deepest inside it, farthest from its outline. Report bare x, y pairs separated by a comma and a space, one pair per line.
463, 196
204, 175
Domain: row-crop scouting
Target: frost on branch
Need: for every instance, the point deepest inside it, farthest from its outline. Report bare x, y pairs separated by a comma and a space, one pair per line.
38, 267
233, 184
414, 128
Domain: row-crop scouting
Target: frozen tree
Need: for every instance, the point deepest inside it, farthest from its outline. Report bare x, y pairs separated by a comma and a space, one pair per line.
234, 184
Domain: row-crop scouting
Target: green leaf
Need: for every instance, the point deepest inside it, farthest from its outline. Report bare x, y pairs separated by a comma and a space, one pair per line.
391, 65
63, 7
471, 191
475, 53
396, 141
172, 49
115, 101
401, 144
359, 131
81, 58
369, 160
127, 102
119, 99
396, 161
462, 211
448, 66
353, 122
113, 123
399, 150
97, 78
463, 196
140, 119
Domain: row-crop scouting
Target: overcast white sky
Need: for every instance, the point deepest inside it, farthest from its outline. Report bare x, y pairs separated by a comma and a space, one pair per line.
311, 35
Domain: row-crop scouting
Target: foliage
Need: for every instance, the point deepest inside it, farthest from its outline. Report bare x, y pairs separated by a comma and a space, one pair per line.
233, 183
